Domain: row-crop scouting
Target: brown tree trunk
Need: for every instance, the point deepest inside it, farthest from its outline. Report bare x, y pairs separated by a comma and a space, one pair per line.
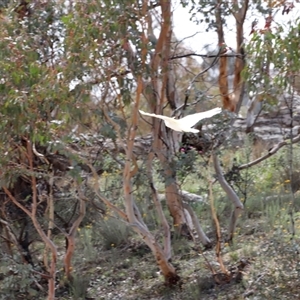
157, 91
50, 211
166, 268
240, 61
173, 196
32, 214
168, 271
223, 67
71, 237
174, 202
159, 209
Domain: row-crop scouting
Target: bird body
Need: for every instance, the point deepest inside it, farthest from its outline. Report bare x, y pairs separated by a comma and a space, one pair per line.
185, 124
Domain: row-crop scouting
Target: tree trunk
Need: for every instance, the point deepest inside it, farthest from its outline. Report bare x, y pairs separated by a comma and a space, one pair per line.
201, 234
166, 268
71, 236
238, 205
159, 209
240, 62
32, 214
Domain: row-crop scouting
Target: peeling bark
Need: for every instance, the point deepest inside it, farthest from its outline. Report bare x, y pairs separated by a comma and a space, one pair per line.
167, 269
240, 62
232, 102
161, 87
223, 67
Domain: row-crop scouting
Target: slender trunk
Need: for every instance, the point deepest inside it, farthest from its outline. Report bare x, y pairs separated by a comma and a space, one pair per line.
11, 239
218, 232
173, 196
240, 62
223, 64
46, 240
50, 209
238, 205
201, 234
156, 91
167, 269
174, 202
71, 236
51, 245
159, 209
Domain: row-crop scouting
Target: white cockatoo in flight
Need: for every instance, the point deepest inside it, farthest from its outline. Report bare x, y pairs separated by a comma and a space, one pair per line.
185, 124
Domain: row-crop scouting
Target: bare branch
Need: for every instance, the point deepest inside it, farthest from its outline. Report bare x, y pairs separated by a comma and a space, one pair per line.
270, 153
201, 234
206, 55
218, 231
187, 92
238, 205
224, 184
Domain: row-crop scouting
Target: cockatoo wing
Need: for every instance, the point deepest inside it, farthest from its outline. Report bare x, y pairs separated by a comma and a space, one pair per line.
193, 119
171, 123
155, 116
185, 124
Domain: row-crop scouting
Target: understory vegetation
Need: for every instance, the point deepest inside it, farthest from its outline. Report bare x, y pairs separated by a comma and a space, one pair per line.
101, 201
111, 261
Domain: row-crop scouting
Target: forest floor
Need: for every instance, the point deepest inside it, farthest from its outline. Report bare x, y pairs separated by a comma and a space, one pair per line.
129, 271
111, 263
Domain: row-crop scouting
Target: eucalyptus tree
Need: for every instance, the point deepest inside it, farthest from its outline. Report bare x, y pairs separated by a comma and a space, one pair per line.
73, 73
32, 89
265, 76
67, 69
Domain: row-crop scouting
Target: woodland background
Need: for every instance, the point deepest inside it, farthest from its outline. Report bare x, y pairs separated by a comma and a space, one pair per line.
97, 202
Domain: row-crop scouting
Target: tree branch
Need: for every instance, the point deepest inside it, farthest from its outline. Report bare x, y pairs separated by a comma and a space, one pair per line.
238, 205
206, 55
270, 153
